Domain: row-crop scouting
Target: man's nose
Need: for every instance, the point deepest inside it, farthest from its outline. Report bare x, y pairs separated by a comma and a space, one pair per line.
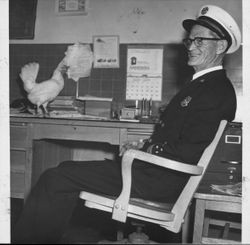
191, 46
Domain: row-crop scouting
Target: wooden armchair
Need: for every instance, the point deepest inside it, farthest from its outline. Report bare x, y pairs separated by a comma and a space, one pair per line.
169, 216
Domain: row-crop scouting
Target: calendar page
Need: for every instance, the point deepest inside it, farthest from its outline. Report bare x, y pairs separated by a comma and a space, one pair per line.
144, 87
144, 72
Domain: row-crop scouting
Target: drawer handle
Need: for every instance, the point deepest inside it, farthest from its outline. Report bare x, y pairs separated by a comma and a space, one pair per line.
231, 162
233, 139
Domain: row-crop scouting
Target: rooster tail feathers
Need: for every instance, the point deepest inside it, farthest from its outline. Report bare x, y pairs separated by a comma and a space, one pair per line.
28, 75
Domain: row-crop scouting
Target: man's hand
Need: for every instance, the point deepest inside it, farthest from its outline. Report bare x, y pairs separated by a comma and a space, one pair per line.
131, 145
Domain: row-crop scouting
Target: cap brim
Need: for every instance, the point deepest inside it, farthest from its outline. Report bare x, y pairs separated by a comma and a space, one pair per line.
189, 23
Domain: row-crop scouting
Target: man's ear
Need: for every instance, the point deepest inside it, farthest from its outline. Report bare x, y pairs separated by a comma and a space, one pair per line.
221, 46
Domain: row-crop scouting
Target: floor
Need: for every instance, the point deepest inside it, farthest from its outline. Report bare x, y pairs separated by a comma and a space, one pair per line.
89, 226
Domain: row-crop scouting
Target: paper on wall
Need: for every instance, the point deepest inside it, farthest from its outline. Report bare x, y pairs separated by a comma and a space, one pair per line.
144, 73
79, 58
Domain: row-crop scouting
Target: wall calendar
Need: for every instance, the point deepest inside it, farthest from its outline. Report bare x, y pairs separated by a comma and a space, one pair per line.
144, 72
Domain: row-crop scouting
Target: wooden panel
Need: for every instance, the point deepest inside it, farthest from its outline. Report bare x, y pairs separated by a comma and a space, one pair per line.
234, 225
207, 195
88, 151
48, 154
209, 240
199, 220
17, 159
230, 207
18, 136
97, 134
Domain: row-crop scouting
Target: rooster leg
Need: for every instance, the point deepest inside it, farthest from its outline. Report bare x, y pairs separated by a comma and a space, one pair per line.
39, 111
46, 112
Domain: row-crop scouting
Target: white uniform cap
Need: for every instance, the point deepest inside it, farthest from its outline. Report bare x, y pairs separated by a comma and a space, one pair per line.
220, 22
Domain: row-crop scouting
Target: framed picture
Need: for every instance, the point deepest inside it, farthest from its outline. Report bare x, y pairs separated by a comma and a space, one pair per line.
106, 51
71, 7
22, 18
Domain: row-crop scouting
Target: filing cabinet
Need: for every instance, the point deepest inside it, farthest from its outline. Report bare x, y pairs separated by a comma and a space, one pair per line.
228, 154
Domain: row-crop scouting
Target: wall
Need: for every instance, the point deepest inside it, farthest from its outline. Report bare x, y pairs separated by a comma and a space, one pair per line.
54, 33
111, 82
135, 21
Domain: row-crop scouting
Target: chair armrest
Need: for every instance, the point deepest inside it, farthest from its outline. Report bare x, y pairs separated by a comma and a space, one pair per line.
121, 203
163, 162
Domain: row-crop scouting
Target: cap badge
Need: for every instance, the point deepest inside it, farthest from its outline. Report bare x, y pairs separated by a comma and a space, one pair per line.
204, 10
186, 101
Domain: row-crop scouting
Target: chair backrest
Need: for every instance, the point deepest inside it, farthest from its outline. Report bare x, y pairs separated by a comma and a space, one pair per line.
182, 203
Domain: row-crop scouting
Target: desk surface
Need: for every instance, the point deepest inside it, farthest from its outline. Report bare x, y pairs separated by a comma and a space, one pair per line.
205, 192
80, 121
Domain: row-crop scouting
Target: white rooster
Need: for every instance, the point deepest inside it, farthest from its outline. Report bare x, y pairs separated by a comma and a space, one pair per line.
40, 94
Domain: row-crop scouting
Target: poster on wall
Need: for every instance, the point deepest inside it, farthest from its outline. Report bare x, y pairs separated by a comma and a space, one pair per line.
71, 7
106, 51
144, 72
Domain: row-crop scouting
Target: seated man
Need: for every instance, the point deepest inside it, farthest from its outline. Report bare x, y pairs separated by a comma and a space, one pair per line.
187, 126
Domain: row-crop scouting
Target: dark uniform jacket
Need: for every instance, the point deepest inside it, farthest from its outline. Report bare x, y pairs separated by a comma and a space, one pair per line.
191, 119
187, 126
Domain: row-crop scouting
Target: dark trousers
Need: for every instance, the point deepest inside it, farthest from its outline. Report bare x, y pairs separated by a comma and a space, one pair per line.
51, 202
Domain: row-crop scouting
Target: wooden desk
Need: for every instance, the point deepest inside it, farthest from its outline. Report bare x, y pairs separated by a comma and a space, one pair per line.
206, 200
27, 162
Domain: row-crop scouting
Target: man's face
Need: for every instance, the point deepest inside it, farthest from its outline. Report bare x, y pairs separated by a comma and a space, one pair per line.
205, 56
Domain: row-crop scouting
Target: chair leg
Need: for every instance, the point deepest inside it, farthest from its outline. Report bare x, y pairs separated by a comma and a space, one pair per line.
139, 236
119, 234
206, 227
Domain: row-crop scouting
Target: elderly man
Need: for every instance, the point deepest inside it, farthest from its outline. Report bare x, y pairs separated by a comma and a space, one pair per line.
187, 126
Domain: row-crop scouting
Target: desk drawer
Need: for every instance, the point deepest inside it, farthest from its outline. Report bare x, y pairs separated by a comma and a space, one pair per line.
18, 136
81, 133
136, 134
17, 165
17, 184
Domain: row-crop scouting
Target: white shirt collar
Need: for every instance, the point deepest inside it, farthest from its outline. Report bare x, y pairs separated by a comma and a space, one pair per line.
201, 73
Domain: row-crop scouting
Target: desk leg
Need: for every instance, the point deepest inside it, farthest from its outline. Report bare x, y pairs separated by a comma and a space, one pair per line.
199, 220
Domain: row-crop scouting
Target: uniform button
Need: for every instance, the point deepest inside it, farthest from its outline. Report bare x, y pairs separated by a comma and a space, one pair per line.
162, 124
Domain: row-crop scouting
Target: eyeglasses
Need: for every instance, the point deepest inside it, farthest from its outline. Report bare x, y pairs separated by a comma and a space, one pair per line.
198, 41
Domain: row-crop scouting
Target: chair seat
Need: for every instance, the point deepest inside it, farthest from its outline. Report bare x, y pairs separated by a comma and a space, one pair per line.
160, 206
160, 212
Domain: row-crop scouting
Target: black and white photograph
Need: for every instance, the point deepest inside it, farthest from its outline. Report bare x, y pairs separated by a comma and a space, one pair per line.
125, 122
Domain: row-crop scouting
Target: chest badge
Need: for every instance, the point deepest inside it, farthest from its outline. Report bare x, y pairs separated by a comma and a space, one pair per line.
186, 101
